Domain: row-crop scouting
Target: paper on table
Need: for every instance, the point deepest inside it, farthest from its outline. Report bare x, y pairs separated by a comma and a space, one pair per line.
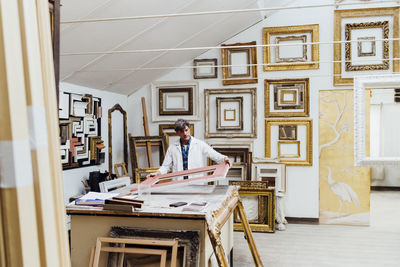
100, 196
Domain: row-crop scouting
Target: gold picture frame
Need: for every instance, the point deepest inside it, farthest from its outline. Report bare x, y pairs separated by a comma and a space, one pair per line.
266, 205
303, 58
385, 50
274, 94
117, 107
250, 75
297, 63
305, 158
339, 15
281, 155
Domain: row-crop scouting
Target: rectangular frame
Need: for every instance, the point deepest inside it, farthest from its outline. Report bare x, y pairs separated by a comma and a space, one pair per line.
135, 141
296, 64
229, 78
185, 87
203, 63
259, 188
302, 109
303, 58
287, 135
222, 116
267, 169
185, 93
359, 13
249, 127
169, 130
280, 155
308, 139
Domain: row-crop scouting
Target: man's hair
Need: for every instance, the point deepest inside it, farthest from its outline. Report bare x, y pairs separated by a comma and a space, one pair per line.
180, 125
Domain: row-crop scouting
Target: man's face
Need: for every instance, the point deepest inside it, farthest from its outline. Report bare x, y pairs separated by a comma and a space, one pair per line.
185, 134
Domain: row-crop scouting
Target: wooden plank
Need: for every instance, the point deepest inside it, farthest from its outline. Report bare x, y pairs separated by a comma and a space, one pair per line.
146, 133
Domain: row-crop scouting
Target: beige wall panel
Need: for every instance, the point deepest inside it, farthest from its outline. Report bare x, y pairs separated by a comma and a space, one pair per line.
344, 198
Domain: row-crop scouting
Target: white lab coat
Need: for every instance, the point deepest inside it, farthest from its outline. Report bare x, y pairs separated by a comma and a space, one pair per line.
199, 151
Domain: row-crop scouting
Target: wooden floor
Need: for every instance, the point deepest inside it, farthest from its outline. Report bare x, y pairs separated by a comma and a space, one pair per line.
332, 245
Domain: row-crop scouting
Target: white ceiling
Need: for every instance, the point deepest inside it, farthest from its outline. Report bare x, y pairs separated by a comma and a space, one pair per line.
109, 71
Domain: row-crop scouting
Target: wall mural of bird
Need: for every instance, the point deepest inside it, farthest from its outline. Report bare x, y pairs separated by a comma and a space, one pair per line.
344, 192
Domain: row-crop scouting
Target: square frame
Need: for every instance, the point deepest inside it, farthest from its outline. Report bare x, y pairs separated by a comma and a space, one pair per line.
175, 87
203, 63
249, 129
359, 13
225, 118
229, 78
260, 189
295, 64
302, 109
308, 155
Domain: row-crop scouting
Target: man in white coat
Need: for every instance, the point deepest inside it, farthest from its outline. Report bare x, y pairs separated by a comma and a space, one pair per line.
188, 153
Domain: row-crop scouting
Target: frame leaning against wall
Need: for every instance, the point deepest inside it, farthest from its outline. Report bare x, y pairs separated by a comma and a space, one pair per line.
116, 107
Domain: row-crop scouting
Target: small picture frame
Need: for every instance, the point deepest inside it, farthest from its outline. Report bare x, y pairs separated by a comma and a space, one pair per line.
239, 63
289, 149
366, 46
287, 132
291, 53
205, 68
229, 113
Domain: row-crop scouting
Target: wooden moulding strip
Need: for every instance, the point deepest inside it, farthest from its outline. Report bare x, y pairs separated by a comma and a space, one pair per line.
51, 109
147, 133
219, 171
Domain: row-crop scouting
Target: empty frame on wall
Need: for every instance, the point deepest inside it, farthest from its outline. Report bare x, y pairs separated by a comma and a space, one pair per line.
230, 113
287, 98
205, 68
239, 63
362, 43
80, 130
291, 47
175, 99
291, 152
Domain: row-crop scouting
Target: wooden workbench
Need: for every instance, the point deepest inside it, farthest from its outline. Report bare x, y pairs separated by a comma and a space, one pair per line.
87, 225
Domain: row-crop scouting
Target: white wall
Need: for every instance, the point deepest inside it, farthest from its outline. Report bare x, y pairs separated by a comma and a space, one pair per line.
302, 196
73, 177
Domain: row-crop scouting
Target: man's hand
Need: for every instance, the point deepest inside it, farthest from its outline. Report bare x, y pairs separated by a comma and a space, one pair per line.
227, 161
151, 175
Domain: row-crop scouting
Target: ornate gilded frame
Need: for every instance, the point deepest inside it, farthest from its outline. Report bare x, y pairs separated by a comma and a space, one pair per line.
266, 211
117, 107
162, 130
304, 97
251, 77
385, 50
252, 133
358, 13
296, 142
271, 31
303, 58
239, 114
308, 139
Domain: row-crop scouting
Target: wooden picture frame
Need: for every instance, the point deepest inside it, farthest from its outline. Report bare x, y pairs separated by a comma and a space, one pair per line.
123, 168
287, 132
266, 205
189, 240
364, 18
229, 113
273, 173
304, 137
273, 41
142, 141
117, 107
168, 130
239, 63
205, 68
176, 98
287, 97
239, 156
249, 109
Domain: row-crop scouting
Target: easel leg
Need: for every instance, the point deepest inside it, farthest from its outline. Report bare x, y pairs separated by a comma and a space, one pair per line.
248, 234
215, 239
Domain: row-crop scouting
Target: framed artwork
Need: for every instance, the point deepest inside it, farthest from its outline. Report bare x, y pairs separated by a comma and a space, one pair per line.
239, 63
205, 68
361, 47
229, 113
259, 205
168, 130
225, 110
172, 99
294, 152
291, 47
80, 130
272, 173
287, 98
